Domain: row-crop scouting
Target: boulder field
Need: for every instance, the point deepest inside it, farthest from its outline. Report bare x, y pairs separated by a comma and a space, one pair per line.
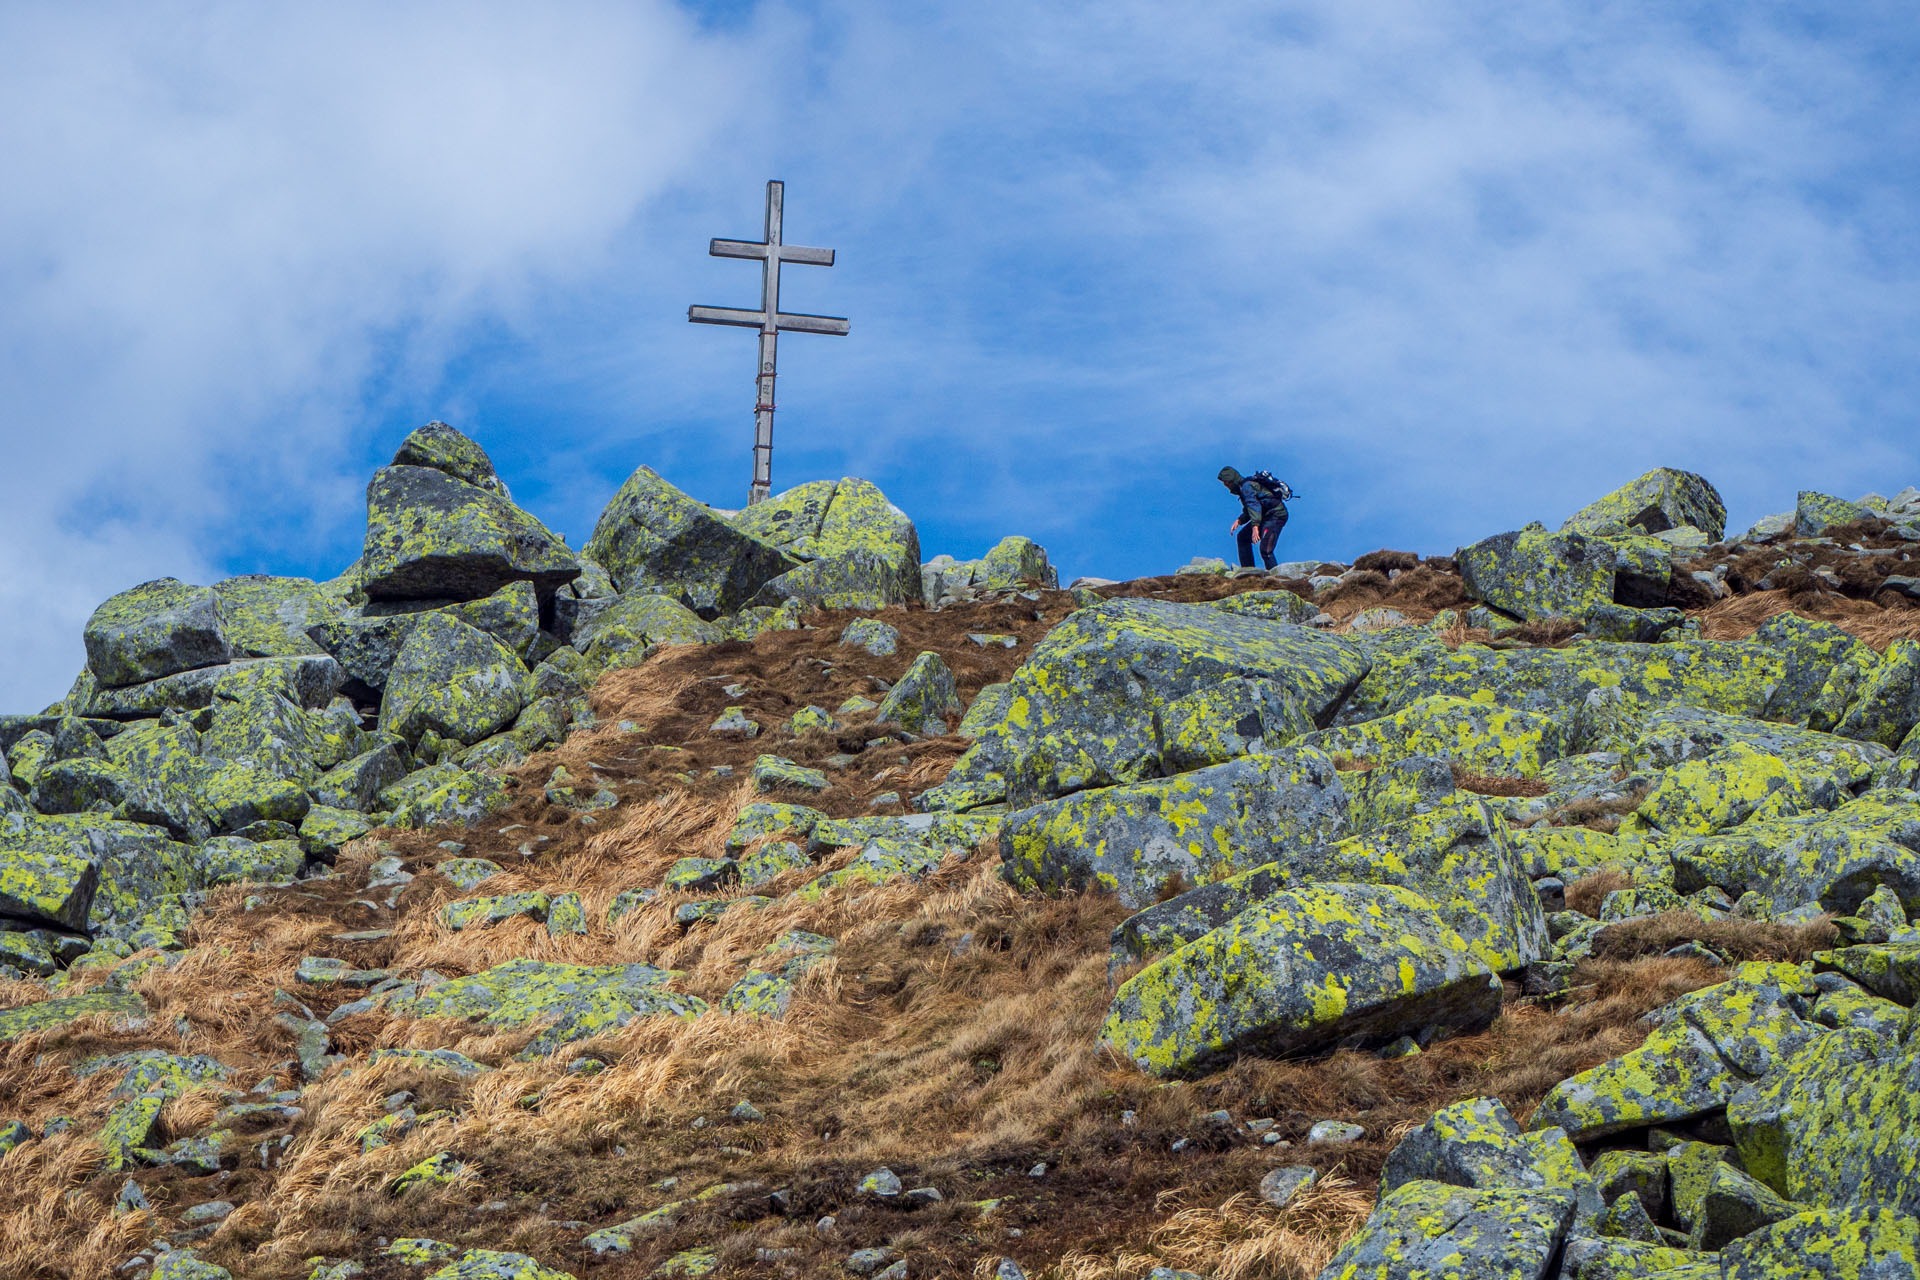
320, 899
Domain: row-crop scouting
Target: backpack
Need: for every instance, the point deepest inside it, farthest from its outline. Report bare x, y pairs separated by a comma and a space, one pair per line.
1277, 487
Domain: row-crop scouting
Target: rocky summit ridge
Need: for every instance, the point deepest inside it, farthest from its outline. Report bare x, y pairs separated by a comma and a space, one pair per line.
741, 894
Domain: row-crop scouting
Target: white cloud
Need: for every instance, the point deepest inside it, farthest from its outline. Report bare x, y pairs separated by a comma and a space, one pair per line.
220, 221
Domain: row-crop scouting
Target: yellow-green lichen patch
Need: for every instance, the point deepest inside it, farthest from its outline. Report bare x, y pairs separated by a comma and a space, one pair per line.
1303, 969
1474, 735
568, 1002
1431, 1231
1840, 1243
1197, 827
1712, 1043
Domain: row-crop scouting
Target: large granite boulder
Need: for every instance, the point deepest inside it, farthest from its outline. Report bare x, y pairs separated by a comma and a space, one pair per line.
156, 629
1828, 1244
1473, 735
1834, 1123
1137, 840
1457, 854
88, 873
1087, 708
1431, 1231
1735, 677
862, 552
452, 680
315, 677
1476, 1143
1834, 858
433, 537
1888, 706
923, 699
1660, 500
1815, 513
269, 617
654, 539
1533, 574
1709, 1045
636, 624
447, 449
1013, 562
1307, 969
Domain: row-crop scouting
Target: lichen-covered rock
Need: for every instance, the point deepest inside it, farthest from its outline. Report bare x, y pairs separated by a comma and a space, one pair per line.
234, 860
268, 617
1888, 708
922, 699
1834, 1124
1732, 1205
633, 626
156, 629
880, 860
1274, 606
1711, 1044
442, 795
1533, 574
453, 680
469, 912
1818, 651
567, 1002
1828, 1244
446, 448
759, 994
772, 774
1680, 734
619, 1238
1306, 969
1476, 1143
1014, 562
1834, 858
358, 782
1430, 1231
1085, 708
652, 538
1235, 717
871, 635
122, 1008
1815, 513
1191, 829
1472, 734
863, 554
313, 680
48, 873
1395, 791
180, 1264
1660, 500
770, 818
1735, 783
431, 536
771, 861
492, 1264
1736, 677
1599, 1258
1891, 970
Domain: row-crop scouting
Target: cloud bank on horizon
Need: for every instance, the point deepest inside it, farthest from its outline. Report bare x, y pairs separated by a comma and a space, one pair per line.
1446, 266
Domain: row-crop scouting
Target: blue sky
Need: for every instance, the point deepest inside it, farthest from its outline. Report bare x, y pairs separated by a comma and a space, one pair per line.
1446, 266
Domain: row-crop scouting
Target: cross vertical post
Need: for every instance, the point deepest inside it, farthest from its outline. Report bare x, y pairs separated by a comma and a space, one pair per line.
769, 320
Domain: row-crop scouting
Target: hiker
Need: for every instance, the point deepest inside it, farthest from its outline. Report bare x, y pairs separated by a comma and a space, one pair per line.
1263, 512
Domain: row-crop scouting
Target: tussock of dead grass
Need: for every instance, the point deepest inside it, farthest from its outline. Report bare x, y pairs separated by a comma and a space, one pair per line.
1587, 893
1488, 784
1876, 625
1737, 939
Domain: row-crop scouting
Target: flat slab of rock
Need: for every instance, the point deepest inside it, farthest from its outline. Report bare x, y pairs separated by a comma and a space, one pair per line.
1426, 1230
1307, 969
156, 629
651, 537
567, 1001
430, 536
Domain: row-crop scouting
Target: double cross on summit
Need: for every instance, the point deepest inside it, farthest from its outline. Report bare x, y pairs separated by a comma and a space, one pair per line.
769, 320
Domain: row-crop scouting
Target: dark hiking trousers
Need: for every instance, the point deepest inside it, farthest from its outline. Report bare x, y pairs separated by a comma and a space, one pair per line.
1276, 520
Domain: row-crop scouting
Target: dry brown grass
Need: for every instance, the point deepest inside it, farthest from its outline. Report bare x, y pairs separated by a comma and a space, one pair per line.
1587, 893
1489, 784
1736, 939
952, 1035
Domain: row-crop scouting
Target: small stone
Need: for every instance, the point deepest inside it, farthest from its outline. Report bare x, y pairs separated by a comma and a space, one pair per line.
825, 1224
989, 640
1008, 1269
1271, 1139
1404, 1047
864, 1262
734, 723
1334, 1133
1129, 1118
1038, 1171
210, 1211
924, 1195
131, 1198
746, 1111
1280, 1186
883, 1182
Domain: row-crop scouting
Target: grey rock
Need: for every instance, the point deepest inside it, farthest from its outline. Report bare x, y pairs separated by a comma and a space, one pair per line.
156, 629
431, 536
1279, 1187
653, 538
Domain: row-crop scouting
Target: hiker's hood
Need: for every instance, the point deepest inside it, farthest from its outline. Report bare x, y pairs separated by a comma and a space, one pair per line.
1230, 478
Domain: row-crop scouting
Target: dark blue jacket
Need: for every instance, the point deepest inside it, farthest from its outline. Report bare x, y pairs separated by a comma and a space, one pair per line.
1257, 501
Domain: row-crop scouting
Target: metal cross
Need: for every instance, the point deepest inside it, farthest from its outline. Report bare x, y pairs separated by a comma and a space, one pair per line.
769, 320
